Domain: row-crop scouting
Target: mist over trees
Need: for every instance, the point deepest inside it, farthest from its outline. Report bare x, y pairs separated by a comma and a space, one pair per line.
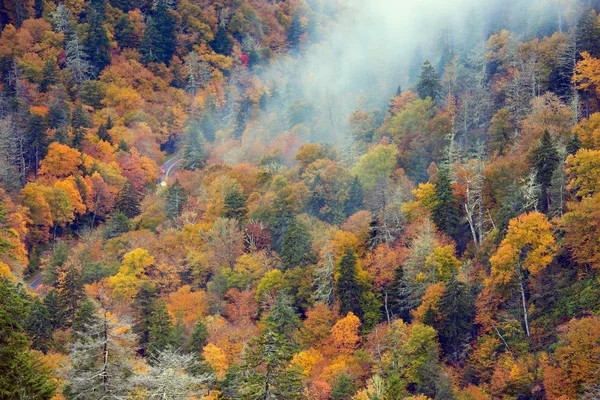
299, 199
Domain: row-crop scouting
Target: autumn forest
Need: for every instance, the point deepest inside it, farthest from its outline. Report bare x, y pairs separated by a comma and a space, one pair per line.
300, 199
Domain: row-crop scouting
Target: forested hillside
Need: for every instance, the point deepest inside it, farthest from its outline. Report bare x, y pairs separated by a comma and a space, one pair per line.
299, 199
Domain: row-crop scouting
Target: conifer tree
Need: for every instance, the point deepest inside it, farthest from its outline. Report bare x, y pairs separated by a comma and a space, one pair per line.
175, 200
70, 290
402, 296
161, 335
235, 205
354, 201
56, 310
295, 31
39, 326
349, 291
194, 155
199, 337
143, 307
222, 43
22, 375
297, 246
267, 373
428, 84
445, 212
96, 42
545, 160
117, 224
457, 310
127, 201
159, 41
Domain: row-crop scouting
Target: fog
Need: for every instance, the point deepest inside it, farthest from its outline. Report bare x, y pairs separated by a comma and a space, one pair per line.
359, 57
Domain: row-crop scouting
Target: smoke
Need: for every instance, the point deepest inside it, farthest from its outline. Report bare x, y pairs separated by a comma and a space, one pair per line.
370, 47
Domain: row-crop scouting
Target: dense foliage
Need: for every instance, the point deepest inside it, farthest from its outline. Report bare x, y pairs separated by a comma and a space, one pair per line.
180, 220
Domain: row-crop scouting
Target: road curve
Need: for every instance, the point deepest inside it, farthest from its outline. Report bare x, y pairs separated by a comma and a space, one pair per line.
168, 168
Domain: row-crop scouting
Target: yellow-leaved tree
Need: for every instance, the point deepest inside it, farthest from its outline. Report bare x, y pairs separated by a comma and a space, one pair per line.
125, 283
529, 246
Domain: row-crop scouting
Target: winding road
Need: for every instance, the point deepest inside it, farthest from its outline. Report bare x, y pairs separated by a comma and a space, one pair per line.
168, 167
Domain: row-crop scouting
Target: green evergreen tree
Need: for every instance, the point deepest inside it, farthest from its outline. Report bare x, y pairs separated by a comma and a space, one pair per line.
222, 43
159, 41
587, 32
297, 246
143, 307
161, 335
96, 41
174, 200
428, 84
194, 155
86, 316
59, 257
343, 389
457, 310
128, 201
235, 205
49, 75
123, 146
349, 291
545, 159
267, 373
574, 144
39, 326
355, 201
402, 298
295, 31
21, 374
445, 212
56, 310
117, 224
198, 338
125, 33
70, 290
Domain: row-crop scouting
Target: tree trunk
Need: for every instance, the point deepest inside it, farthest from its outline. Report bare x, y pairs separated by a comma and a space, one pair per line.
525, 315
387, 312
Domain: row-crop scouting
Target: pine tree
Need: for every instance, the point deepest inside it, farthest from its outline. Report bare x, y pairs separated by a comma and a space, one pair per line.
574, 144
128, 202
39, 326
70, 290
49, 74
545, 160
445, 211
56, 310
96, 42
199, 337
175, 200
297, 246
161, 335
194, 155
143, 307
117, 225
457, 310
125, 33
22, 375
349, 290
428, 84
295, 31
235, 205
354, 202
159, 41
402, 296
343, 389
267, 373
86, 316
222, 43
